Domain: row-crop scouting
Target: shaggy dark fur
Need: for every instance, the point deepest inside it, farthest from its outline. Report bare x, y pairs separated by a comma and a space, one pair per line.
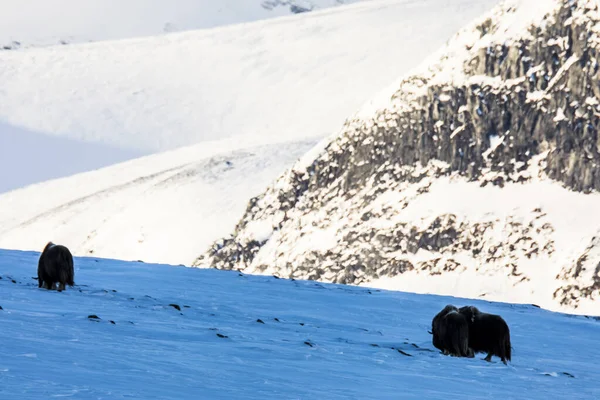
451, 332
488, 333
55, 266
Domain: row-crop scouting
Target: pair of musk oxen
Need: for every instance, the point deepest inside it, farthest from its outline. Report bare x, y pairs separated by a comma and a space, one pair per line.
464, 331
55, 266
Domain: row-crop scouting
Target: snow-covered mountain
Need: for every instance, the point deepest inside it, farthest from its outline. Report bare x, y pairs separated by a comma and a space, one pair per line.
475, 175
27, 23
290, 77
142, 331
191, 196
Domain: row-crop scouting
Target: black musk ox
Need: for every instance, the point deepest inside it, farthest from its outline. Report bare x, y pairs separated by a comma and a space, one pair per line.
488, 333
55, 266
451, 332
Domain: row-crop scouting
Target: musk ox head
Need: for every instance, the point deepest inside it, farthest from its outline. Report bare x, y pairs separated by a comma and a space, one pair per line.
450, 331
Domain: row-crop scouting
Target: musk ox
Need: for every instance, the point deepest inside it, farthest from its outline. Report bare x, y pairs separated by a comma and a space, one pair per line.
488, 333
451, 332
55, 266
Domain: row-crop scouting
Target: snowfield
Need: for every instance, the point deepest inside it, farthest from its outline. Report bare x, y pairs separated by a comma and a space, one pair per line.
34, 23
142, 331
289, 77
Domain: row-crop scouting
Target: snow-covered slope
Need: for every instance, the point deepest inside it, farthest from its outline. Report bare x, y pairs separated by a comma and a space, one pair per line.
133, 330
26, 23
476, 175
156, 208
291, 77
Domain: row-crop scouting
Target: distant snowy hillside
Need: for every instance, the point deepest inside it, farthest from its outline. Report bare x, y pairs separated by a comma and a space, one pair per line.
140, 331
476, 175
155, 208
33, 23
26, 23
290, 77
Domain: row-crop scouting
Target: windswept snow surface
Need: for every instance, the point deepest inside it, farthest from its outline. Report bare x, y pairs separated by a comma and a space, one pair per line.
50, 22
159, 208
254, 337
290, 77
28, 157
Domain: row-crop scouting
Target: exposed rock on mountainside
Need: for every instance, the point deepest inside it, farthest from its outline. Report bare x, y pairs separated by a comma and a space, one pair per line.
478, 165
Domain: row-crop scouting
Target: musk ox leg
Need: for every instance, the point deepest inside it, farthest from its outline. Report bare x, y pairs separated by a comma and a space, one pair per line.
61, 286
470, 353
488, 358
41, 275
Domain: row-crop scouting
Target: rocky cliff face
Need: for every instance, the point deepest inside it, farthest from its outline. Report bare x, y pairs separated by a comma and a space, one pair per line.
477, 175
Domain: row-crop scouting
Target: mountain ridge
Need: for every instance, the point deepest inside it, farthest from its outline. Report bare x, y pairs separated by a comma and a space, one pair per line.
482, 111
68, 22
